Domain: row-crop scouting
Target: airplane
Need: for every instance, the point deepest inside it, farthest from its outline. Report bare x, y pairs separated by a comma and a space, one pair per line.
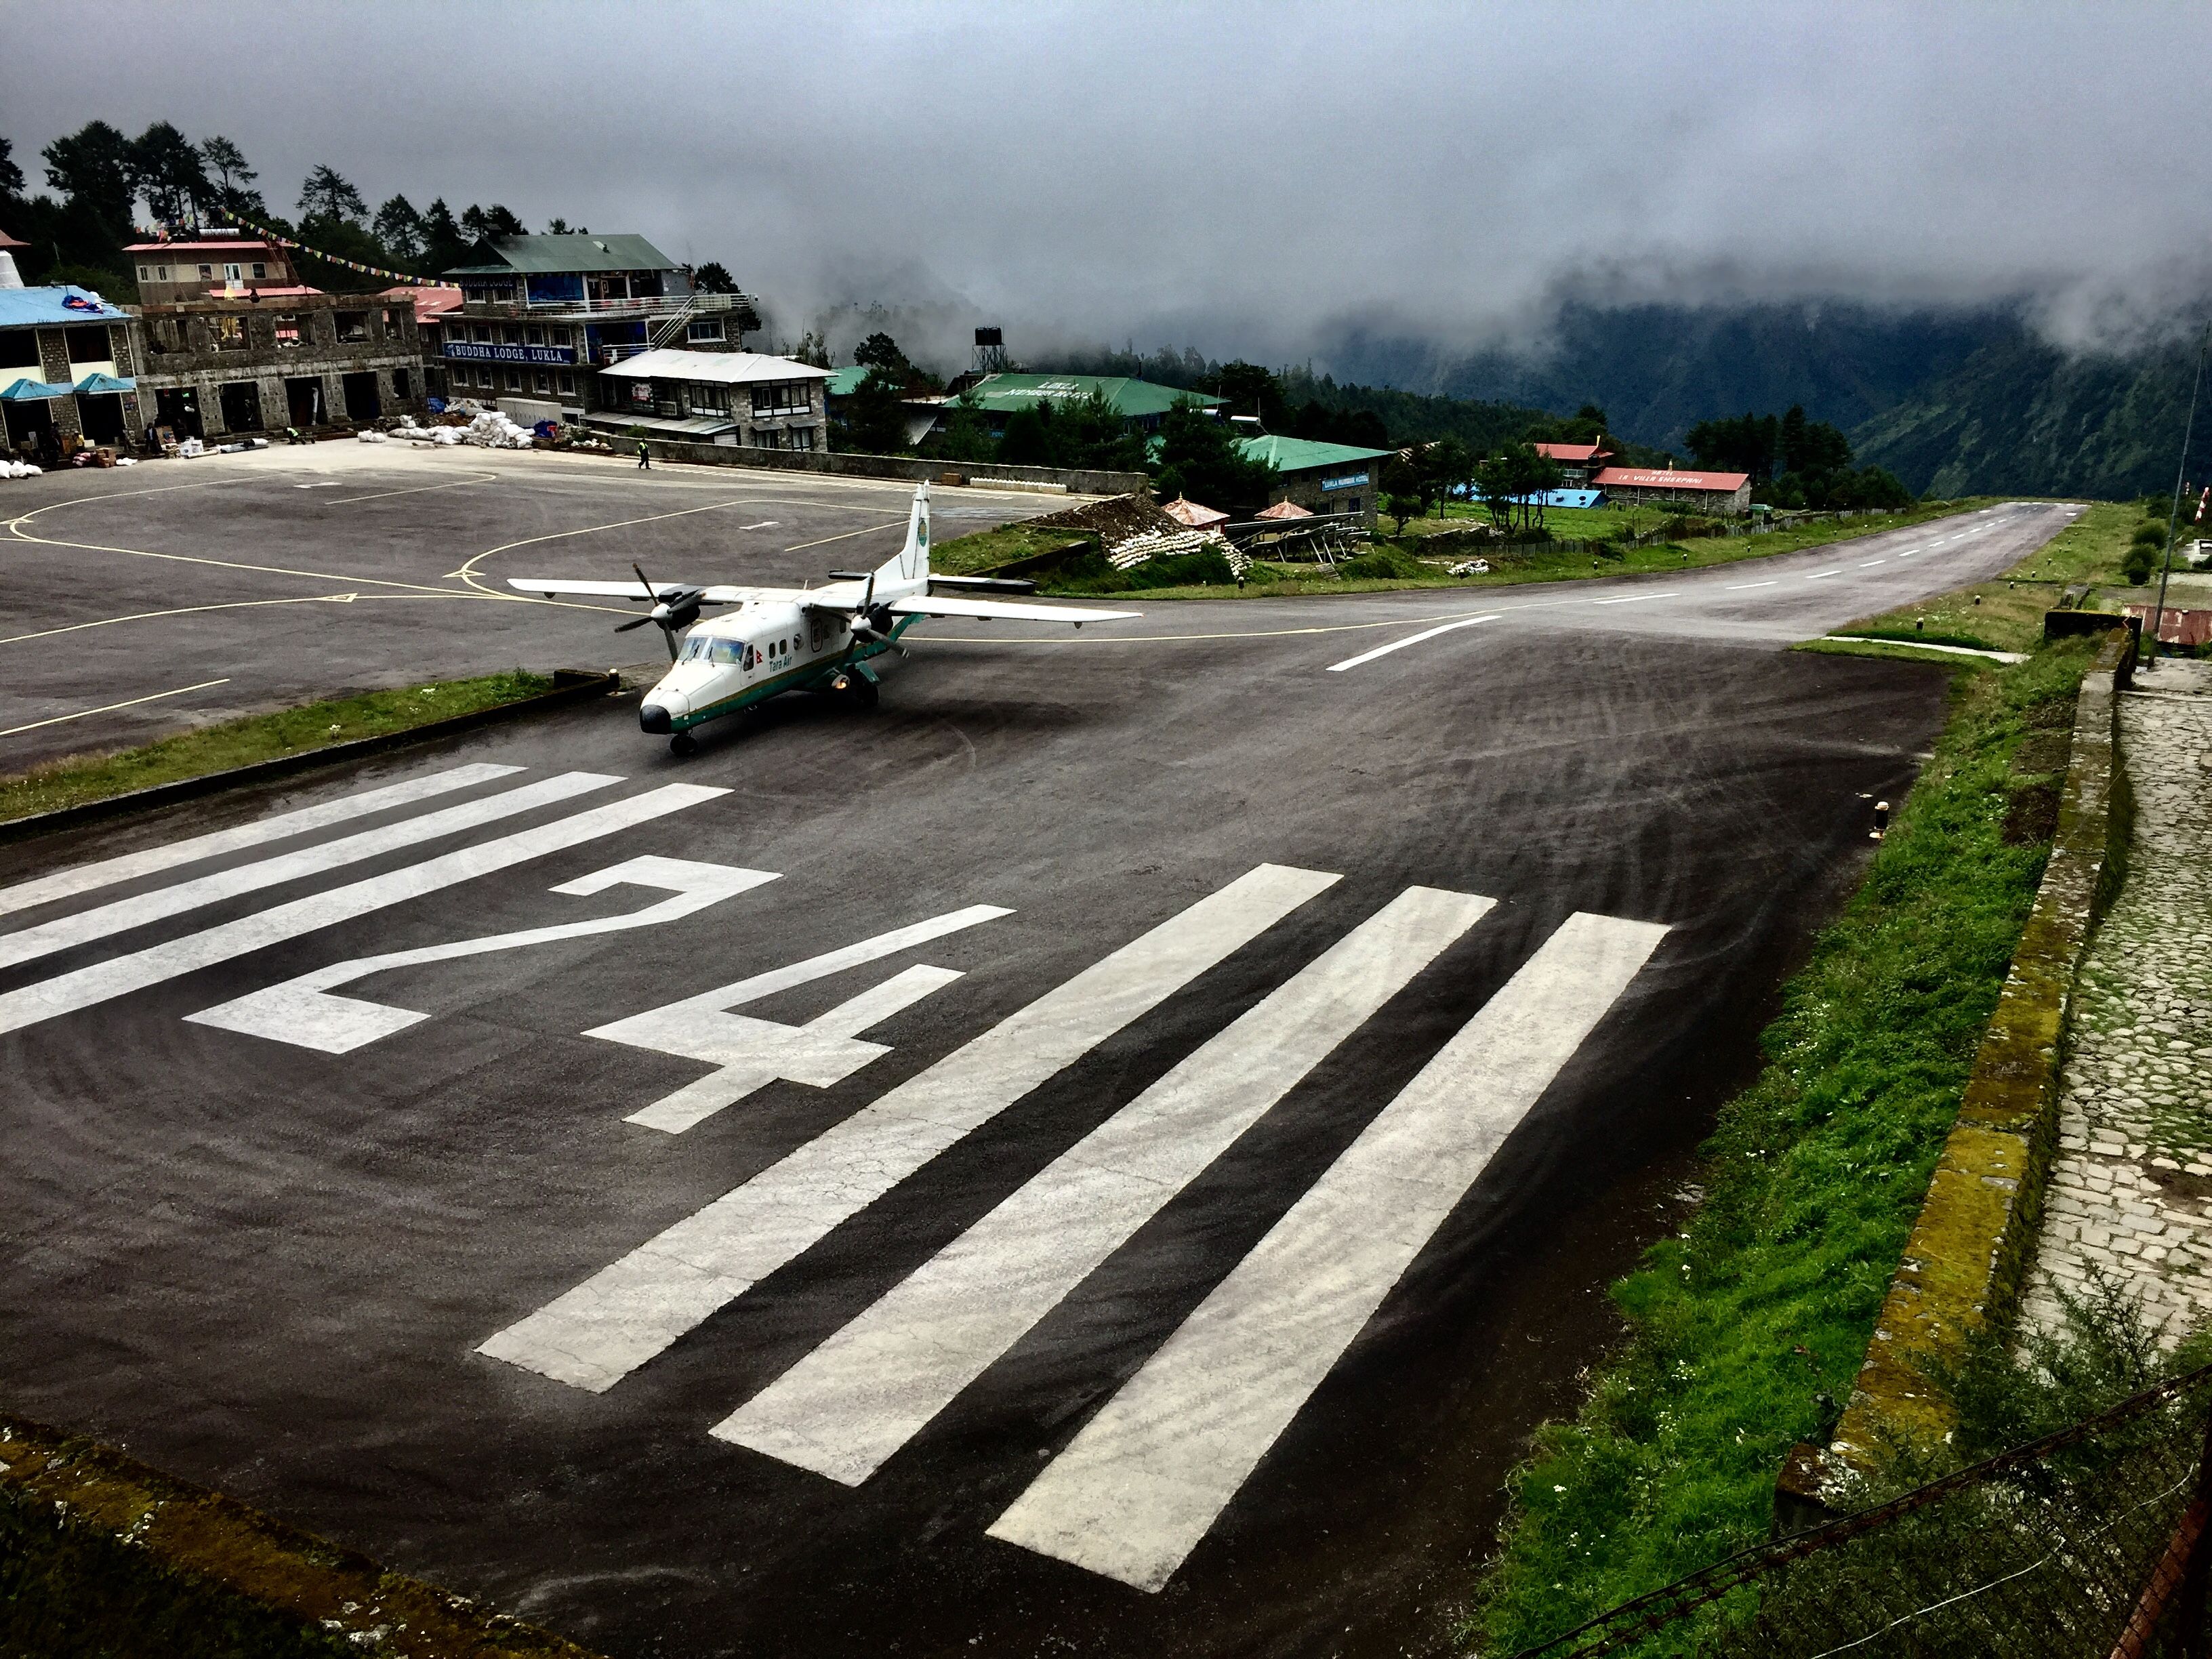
796, 639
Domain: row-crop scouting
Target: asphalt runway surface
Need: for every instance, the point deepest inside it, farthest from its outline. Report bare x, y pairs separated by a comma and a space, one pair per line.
1110, 1152
144, 601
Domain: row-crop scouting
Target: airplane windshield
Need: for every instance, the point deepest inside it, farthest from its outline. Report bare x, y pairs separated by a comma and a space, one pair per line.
694, 648
728, 650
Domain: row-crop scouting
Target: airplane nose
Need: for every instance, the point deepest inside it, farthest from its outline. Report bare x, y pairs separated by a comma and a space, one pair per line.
653, 717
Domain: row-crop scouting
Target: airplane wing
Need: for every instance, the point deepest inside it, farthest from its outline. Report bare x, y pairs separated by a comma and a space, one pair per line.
553, 587
1000, 611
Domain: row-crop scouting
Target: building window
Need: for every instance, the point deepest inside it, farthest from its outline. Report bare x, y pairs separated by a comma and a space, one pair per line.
781, 398
708, 329
544, 383
145, 273
568, 385
399, 384
483, 334
353, 324
230, 332
260, 270
287, 332
802, 437
232, 275
160, 273
710, 399
514, 379
207, 273
534, 335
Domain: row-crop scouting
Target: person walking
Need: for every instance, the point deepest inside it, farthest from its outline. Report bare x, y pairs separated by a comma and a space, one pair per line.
644, 457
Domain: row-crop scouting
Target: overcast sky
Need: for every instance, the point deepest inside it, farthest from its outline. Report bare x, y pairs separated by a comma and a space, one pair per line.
1243, 178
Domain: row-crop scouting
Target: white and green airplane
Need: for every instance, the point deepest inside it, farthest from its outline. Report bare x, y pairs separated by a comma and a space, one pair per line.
792, 639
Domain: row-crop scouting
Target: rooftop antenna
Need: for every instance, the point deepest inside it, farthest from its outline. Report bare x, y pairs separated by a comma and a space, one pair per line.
991, 352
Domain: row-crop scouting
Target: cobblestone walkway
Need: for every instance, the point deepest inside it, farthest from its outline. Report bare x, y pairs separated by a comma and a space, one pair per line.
2131, 1189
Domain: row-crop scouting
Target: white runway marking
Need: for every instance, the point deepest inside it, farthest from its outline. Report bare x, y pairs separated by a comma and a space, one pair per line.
751, 1054
303, 1011
594, 1336
1145, 1480
1815, 576
1741, 586
105, 919
86, 987
1870, 563
1633, 598
110, 708
862, 1394
129, 866
1411, 639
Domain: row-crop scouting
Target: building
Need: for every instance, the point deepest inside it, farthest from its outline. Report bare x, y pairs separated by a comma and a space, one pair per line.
236, 343
67, 369
1141, 403
1578, 461
1319, 476
1724, 494
541, 318
432, 303
740, 398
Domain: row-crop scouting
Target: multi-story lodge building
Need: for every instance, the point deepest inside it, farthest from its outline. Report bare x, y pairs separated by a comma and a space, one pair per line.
234, 343
65, 368
541, 317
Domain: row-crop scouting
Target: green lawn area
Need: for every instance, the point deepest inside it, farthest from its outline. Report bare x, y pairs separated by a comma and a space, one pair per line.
986, 549
1764, 1303
2007, 614
256, 737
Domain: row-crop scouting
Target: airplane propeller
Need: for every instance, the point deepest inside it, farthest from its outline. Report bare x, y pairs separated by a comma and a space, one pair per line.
680, 609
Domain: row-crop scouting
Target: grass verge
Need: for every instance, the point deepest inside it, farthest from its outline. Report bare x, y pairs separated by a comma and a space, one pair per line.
1748, 1327
1513, 566
2007, 614
256, 737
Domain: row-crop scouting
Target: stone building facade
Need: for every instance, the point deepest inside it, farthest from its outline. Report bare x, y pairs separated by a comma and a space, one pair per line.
218, 366
68, 363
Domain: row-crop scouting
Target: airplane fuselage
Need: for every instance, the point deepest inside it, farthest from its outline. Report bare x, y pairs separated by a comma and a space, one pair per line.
730, 662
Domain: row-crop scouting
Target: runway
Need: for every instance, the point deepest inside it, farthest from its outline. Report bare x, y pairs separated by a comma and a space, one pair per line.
1110, 1152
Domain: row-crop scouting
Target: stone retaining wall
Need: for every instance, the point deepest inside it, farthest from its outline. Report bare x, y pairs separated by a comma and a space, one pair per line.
1078, 481
1966, 1259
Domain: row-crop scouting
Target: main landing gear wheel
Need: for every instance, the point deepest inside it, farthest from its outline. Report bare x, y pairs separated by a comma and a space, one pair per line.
684, 746
864, 691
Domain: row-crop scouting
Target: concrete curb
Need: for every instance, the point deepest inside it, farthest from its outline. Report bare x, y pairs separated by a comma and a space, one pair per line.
1964, 1263
569, 685
112, 1531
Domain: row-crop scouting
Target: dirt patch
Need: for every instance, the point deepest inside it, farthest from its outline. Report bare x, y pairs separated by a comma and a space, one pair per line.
1114, 520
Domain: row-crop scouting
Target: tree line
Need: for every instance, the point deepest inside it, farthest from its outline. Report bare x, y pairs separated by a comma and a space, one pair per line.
1794, 462
99, 176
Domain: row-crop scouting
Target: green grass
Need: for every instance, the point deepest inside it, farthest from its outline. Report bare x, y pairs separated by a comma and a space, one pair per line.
255, 737
986, 549
2007, 614
1765, 1302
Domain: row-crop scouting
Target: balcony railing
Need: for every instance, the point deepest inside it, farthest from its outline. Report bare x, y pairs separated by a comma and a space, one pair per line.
649, 306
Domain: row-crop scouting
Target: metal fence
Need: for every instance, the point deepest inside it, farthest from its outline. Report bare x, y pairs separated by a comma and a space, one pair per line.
2090, 1542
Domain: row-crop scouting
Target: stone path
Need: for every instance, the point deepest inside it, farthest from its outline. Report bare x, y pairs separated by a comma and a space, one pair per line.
2131, 1189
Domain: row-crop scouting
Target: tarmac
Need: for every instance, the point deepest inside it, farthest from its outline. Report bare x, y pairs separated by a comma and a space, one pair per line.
1110, 1152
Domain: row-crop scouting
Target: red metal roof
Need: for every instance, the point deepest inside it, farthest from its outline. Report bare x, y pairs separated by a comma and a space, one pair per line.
1636, 477
430, 302
1190, 512
1287, 510
1572, 452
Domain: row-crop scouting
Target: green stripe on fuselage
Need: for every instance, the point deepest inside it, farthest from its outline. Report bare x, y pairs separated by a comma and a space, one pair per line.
792, 679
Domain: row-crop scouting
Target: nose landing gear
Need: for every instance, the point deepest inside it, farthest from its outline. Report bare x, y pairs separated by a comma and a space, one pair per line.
684, 746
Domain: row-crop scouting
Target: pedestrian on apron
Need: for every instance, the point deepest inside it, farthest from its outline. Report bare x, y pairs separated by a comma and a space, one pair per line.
644, 457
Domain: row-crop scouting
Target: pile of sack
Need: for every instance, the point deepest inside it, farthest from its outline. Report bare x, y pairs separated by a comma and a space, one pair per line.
493, 430
20, 469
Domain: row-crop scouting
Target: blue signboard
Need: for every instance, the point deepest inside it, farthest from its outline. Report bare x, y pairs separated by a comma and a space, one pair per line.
1346, 481
475, 352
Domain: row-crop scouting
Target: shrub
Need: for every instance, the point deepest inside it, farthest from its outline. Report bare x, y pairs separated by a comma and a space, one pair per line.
1384, 564
2138, 565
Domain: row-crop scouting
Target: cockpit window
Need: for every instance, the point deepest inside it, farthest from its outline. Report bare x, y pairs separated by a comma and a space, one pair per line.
694, 648
728, 650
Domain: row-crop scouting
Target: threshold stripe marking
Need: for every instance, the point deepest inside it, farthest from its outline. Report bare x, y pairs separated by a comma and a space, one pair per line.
594, 1336
859, 1396
1411, 639
110, 708
1145, 1479
105, 872
102, 981
122, 914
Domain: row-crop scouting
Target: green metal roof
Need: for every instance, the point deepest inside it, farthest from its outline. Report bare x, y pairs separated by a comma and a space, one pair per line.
1306, 454
546, 254
843, 382
1131, 399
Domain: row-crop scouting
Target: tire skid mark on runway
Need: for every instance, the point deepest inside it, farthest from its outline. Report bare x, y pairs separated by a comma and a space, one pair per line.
1143, 1480
78, 880
593, 1336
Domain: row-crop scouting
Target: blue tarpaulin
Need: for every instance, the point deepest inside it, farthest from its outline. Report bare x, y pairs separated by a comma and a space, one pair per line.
24, 392
54, 307
94, 384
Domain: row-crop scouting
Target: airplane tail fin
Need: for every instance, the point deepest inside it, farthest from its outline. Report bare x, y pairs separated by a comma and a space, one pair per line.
912, 562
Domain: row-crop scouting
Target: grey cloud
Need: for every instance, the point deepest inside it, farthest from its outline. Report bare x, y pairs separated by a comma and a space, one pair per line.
1246, 177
